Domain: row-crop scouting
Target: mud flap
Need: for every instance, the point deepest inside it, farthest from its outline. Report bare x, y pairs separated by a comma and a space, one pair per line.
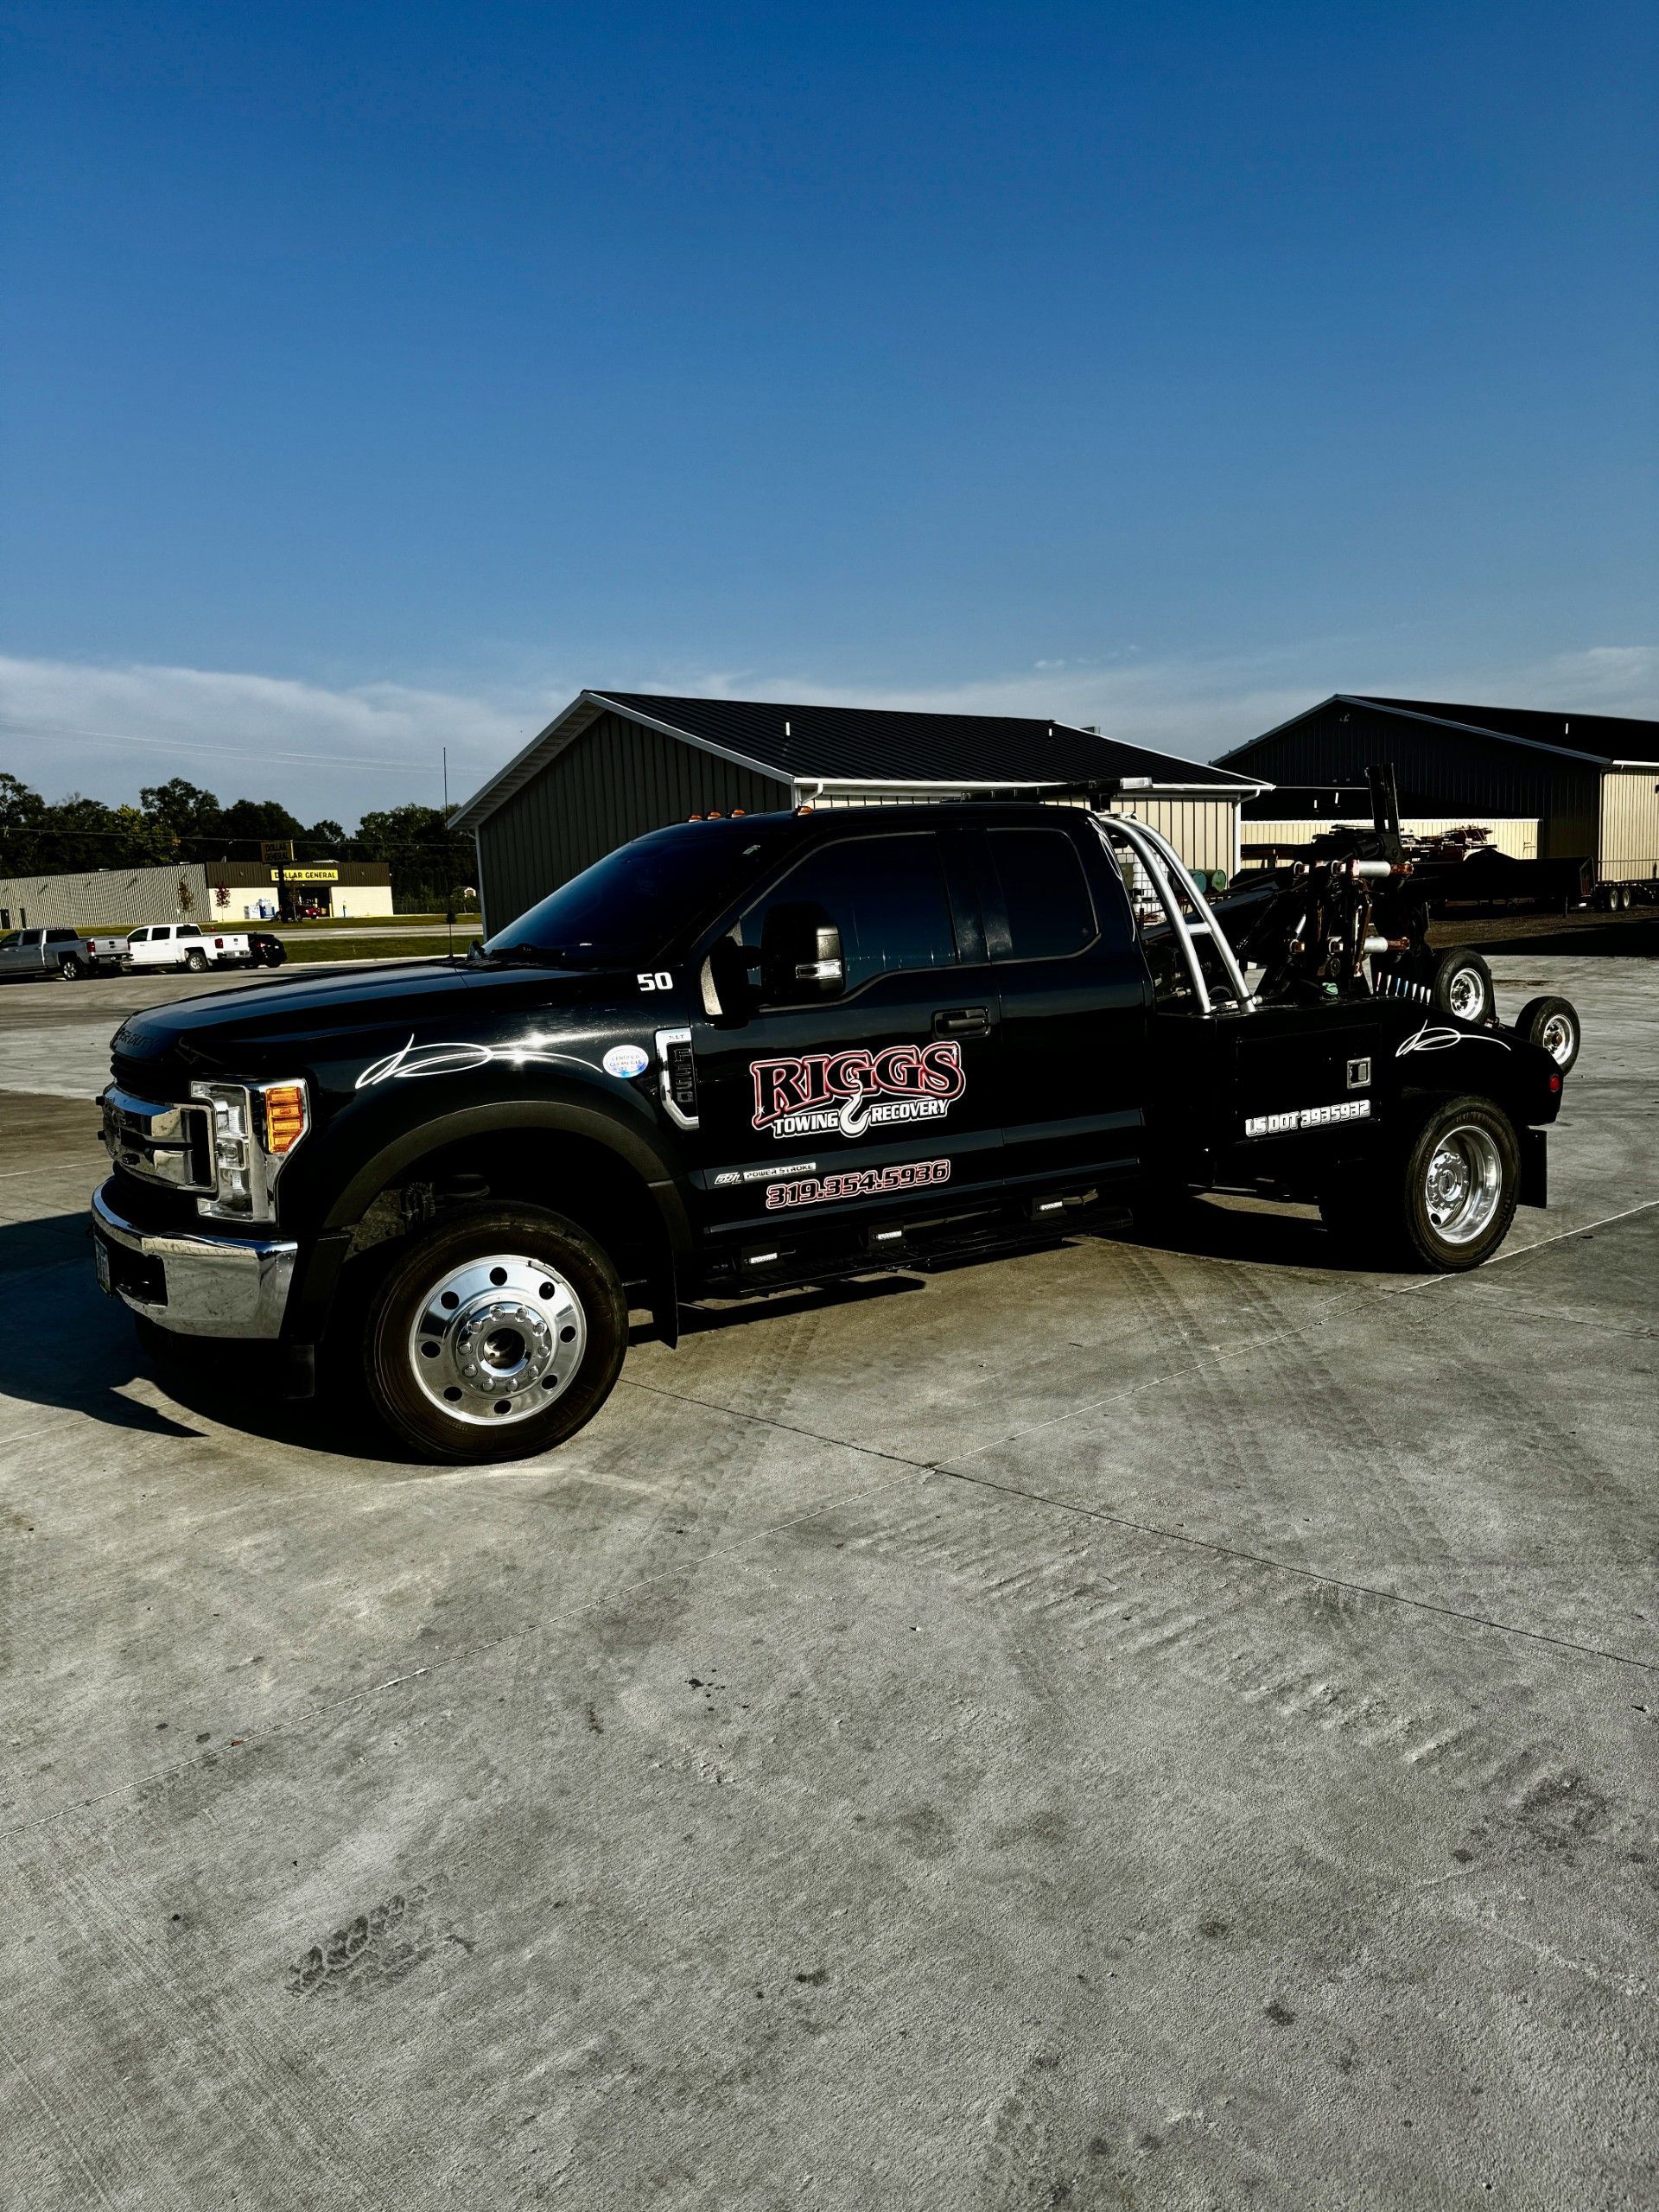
663, 1301
1535, 1167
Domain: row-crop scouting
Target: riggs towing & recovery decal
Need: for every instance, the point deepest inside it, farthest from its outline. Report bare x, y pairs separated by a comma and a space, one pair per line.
858, 1183
1307, 1117
844, 1094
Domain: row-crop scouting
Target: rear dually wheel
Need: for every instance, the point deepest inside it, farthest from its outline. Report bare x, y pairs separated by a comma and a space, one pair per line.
1443, 1200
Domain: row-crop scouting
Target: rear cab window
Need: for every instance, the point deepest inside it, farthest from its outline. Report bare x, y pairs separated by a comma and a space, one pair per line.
1046, 904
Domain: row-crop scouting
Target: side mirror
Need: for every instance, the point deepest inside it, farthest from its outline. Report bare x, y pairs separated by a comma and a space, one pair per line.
801, 958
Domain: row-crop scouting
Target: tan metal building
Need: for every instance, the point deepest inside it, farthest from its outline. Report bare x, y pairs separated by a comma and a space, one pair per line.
1590, 782
226, 892
615, 764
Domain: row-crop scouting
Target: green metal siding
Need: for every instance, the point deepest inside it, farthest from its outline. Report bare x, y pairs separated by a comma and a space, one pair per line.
1440, 772
615, 781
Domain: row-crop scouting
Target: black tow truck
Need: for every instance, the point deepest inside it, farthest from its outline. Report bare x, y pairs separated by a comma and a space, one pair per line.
745, 1053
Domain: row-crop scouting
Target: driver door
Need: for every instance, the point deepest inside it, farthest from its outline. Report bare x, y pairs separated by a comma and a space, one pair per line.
885, 1091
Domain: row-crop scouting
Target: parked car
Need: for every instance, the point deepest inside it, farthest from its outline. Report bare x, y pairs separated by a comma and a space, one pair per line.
268, 951
63, 954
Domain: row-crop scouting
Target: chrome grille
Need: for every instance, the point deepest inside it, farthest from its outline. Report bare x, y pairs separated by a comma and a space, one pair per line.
167, 1144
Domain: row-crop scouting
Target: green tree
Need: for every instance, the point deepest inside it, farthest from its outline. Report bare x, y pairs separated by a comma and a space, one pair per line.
254, 820
81, 834
429, 863
140, 842
182, 807
20, 807
23, 814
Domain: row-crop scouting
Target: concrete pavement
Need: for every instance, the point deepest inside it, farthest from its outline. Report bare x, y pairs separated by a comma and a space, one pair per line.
1124, 1725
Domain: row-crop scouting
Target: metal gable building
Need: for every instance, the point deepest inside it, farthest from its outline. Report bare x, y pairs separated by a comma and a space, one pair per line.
616, 763
1591, 781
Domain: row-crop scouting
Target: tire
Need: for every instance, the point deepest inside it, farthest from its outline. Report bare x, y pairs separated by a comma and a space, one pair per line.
1554, 1024
71, 968
522, 1295
1461, 983
196, 963
1467, 1142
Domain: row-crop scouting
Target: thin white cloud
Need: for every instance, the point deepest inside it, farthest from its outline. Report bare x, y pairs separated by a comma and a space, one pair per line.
65, 725
1199, 708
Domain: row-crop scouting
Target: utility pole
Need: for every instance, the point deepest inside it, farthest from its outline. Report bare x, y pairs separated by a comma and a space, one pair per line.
449, 888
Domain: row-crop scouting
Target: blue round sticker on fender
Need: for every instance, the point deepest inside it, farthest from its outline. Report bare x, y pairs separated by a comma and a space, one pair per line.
627, 1060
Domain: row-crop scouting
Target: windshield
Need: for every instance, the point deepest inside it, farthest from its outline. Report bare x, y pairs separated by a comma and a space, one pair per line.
625, 909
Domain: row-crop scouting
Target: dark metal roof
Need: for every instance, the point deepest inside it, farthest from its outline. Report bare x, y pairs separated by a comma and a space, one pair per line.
1598, 737
858, 745
1601, 739
846, 744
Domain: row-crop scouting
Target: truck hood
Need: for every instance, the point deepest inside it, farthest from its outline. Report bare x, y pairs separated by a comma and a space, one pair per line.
246, 1027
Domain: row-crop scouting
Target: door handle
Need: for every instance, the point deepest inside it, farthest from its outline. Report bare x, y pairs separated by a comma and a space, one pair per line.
964, 1021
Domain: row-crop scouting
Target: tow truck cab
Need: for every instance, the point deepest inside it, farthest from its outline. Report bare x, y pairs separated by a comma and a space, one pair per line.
750, 1052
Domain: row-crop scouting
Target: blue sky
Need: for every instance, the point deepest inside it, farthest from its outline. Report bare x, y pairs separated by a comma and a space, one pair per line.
372, 377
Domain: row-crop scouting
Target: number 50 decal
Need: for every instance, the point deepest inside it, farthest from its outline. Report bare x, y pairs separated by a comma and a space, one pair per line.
660, 980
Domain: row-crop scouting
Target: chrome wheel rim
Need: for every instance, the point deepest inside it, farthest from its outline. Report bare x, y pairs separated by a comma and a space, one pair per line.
1557, 1038
1463, 1184
1466, 995
496, 1339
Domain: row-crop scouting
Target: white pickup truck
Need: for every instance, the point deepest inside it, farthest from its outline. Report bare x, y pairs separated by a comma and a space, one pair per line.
182, 945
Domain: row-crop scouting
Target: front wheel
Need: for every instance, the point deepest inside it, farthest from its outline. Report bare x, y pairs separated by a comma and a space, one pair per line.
495, 1336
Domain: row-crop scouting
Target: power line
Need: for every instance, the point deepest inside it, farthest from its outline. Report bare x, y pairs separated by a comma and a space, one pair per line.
195, 745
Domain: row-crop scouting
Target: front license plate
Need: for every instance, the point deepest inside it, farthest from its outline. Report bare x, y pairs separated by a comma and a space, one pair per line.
101, 1262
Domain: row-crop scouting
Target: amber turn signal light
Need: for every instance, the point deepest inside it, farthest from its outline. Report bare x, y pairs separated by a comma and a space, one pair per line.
285, 1116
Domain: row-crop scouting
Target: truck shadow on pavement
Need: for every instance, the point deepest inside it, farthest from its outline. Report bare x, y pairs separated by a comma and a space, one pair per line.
83, 1355
80, 1353
1261, 1234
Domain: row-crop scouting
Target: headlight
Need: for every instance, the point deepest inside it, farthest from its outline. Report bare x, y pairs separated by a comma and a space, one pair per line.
255, 1127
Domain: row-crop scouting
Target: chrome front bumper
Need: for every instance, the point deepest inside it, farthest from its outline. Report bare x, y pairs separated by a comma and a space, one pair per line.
196, 1285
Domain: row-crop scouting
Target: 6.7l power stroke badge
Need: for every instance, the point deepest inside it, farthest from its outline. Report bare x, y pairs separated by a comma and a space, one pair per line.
844, 1094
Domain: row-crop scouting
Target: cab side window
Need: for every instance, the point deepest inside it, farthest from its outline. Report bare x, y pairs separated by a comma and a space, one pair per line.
1045, 893
888, 897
